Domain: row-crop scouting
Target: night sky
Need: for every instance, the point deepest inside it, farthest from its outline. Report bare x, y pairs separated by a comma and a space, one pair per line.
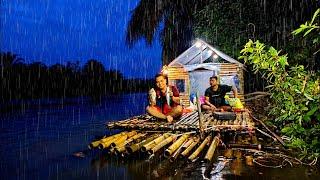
57, 31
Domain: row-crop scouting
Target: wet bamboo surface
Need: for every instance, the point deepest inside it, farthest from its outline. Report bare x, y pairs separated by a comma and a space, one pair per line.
179, 140
187, 122
145, 138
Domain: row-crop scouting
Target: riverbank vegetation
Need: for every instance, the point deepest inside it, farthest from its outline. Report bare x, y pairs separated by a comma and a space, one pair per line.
294, 89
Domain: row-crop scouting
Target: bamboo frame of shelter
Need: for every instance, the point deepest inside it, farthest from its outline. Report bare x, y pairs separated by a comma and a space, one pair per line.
226, 69
197, 54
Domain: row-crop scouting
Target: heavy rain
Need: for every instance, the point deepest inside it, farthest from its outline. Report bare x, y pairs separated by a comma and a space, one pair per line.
126, 89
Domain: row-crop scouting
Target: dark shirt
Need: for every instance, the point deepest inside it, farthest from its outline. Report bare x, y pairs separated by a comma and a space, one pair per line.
162, 100
217, 97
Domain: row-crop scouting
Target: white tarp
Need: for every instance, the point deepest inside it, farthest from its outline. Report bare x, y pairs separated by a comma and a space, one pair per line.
200, 52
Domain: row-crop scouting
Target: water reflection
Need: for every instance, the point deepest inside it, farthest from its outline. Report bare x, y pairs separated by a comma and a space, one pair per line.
50, 142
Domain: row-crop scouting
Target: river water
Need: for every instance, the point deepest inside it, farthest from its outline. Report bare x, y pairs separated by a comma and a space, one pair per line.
40, 140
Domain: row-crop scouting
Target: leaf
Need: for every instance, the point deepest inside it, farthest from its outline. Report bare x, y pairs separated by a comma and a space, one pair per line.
273, 52
316, 40
306, 33
297, 31
287, 130
308, 96
315, 15
283, 61
312, 111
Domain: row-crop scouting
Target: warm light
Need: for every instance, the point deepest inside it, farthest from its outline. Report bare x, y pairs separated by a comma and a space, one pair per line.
164, 70
198, 44
215, 56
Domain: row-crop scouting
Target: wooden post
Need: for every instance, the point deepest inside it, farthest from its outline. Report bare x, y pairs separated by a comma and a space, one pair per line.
201, 128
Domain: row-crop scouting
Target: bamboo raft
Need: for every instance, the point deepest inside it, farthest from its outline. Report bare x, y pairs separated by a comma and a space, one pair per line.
186, 138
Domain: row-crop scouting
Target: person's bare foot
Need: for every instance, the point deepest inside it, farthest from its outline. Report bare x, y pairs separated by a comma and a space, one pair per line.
169, 119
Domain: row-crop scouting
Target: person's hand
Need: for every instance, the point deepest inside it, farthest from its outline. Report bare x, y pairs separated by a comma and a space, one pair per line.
213, 108
169, 119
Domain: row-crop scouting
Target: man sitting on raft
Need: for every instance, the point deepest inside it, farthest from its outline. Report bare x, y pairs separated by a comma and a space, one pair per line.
215, 96
164, 100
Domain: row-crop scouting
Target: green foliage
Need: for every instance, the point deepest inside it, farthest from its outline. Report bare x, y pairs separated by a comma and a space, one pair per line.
294, 91
309, 27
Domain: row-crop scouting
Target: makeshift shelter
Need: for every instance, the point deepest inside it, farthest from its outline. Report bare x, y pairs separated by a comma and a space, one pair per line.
191, 70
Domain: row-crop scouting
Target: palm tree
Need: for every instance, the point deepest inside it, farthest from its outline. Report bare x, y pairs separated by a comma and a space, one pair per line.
177, 18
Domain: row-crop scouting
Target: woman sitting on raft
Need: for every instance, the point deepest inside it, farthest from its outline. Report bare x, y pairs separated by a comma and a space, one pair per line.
164, 101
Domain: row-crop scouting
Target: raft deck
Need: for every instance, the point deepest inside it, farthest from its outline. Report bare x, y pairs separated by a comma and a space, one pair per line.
186, 123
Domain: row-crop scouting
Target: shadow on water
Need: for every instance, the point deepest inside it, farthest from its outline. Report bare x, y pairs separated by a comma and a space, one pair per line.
50, 142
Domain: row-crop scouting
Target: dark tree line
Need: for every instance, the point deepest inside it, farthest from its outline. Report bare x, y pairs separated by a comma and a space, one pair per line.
37, 80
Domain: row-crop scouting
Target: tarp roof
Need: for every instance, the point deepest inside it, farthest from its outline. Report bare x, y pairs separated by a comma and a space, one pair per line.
202, 52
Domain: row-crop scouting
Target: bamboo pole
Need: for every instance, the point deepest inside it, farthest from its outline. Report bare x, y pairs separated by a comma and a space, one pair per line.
119, 141
106, 144
122, 139
189, 148
135, 147
186, 144
200, 117
153, 143
195, 154
176, 145
122, 147
95, 144
162, 144
212, 148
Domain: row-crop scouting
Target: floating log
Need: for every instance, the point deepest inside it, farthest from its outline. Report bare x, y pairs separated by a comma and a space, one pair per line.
153, 143
135, 147
162, 144
212, 149
195, 154
176, 145
187, 151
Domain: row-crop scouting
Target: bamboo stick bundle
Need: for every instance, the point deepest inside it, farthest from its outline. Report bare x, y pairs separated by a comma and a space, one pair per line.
212, 148
188, 118
162, 144
95, 144
185, 117
187, 151
153, 143
176, 145
192, 119
135, 147
195, 154
184, 146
